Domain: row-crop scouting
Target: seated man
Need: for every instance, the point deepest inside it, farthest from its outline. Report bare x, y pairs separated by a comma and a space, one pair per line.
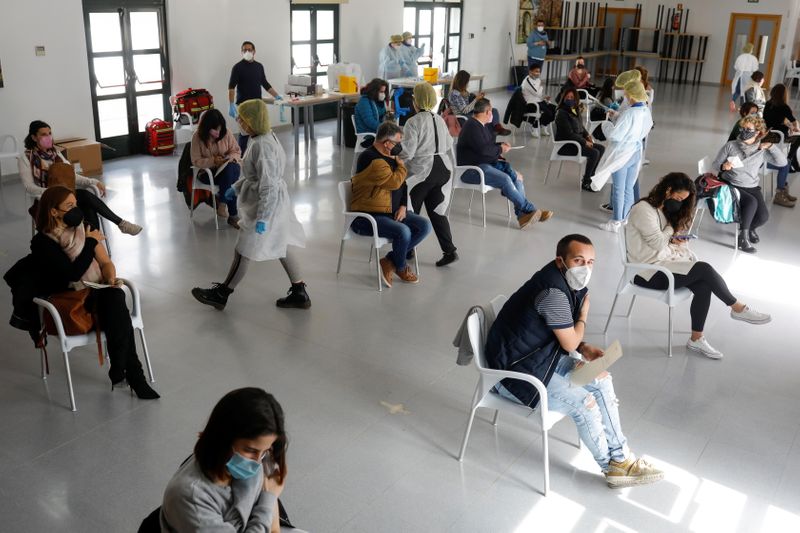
477, 147
379, 188
540, 331
533, 92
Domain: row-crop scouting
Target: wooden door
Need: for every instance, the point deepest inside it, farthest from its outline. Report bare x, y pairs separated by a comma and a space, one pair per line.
762, 31
616, 18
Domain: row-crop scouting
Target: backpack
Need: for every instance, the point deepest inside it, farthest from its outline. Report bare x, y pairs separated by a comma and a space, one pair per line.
193, 102
159, 137
184, 185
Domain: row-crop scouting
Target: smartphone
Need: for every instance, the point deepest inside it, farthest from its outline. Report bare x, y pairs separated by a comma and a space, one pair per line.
686, 236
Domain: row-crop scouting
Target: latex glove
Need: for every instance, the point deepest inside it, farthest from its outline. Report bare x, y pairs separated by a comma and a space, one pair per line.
232, 110
278, 97
261, 227
230, 195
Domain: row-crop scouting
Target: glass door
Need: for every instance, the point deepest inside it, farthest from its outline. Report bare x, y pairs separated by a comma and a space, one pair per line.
762, 31
437, 26
315, 40
126, 42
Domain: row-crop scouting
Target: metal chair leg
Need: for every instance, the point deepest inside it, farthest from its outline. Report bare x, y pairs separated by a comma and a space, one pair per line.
341, 252
608, 321
471, 197
214, 207
146, 356
547, 173
416, 261
560, 164
378, 268
546, 462
630, 308
483, 202
669, 334
466, 434
43, 363
72, 405
494, 419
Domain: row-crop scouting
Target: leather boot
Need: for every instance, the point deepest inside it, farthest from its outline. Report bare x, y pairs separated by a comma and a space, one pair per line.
744, 242
753, 236
216, 296
297, 297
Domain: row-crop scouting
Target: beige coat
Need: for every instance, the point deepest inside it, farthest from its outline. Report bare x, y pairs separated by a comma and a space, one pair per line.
647, 236
203, 154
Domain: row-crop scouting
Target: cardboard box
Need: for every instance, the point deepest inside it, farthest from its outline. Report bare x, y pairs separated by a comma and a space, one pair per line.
83, 151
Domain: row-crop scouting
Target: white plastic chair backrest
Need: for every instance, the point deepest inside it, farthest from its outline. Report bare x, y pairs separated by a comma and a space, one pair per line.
583, 95
474, 331
14, 147
353, 120
778, 132
345, 194
498, 302
623, 246
704, 165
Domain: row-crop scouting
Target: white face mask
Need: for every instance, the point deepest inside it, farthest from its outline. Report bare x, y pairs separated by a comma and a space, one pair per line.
540, 28
381, 97
248, 56
578, 277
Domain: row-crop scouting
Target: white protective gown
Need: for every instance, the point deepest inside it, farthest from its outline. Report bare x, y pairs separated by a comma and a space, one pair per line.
419, 148
262, 195
390, 63
743, 68
411, 54
624, 140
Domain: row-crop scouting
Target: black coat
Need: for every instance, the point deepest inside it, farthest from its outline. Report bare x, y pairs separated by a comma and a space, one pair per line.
569, 127
516, 109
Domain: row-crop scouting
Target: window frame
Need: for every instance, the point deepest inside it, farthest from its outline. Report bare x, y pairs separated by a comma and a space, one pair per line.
430, 5
313, 42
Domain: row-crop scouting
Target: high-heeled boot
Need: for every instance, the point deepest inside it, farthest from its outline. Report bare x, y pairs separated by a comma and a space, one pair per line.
744, 242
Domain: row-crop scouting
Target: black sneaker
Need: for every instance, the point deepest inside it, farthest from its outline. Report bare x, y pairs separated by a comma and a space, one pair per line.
586, 185
297, 297
607, 207
216, 296
447, 258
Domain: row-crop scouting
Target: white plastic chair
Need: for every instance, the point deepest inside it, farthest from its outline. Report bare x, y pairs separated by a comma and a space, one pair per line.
482, 188
587, 100
7, 154
346, 195
592, 126
198, 185
68, 342
792, 73
670, 296
768, 173
536, 115
488, 378
703, 167
555, 156
360, 138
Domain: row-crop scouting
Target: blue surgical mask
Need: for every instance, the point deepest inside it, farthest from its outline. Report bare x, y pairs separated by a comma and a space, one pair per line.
569, 102
241, 467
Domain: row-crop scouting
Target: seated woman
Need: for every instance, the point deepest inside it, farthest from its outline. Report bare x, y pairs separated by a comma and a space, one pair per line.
778, 116
371, 108
749, 153
40, 154
656, 234
233, 479
213, 147
753, 91
64, 254
536, 99
569, 127
580, 78
462, 101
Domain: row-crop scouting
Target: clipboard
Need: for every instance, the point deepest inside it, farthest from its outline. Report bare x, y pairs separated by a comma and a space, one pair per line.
590, 370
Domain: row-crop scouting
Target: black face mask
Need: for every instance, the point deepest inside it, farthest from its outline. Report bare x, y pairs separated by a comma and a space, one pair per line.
672, 206
746, 135
396, 149
73, 217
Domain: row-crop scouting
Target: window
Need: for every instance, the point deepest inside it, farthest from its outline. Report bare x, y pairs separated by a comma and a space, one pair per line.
437, 26
315, 40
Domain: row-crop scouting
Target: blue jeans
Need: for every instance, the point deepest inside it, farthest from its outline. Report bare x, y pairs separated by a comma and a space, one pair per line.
593, 408
533, 61
624, 180
501, 176
243, 142
783, 174
405, 235
226, 178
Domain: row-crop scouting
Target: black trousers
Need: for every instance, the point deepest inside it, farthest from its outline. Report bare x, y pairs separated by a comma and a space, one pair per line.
115, 321
703, 280
93, 208
753, 211
548, 111
429, 193
592, 155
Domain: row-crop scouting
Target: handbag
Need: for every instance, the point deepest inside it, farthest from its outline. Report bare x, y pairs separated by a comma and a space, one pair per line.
76, 315
453, 124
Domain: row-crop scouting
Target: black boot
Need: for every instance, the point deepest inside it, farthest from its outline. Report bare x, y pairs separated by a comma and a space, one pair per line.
141, 388
586, 185
744, 243
447, 258
297, 297
216, 296
753, 236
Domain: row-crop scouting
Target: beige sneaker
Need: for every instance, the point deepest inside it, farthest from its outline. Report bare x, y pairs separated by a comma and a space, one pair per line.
782, 199
407, 275
387, 270
222, 210
631, 472
788, 195
546, 215
129, 228
527, 218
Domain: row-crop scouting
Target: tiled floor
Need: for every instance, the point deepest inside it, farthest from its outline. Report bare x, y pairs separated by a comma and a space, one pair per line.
726, 432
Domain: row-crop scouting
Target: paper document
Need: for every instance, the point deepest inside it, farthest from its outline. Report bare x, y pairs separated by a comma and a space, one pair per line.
516, 147
735, 161
222, 167
93, 285
590, 370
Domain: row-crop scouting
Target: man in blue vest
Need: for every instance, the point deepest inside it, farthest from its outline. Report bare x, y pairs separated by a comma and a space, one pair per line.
540, 331
537, 45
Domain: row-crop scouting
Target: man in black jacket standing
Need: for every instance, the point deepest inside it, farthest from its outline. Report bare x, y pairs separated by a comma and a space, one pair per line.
540, 331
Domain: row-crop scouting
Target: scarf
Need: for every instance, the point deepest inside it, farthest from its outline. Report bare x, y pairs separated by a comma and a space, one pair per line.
72, 241
40, 161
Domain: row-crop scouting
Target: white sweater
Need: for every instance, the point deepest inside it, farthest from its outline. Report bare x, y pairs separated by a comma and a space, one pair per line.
647, 236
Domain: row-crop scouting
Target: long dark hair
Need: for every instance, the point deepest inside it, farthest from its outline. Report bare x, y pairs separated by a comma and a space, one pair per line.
607, 90
576, 98
777, 95
374, 87
460, 81
246, 413
674, 182
33, 129
211, 120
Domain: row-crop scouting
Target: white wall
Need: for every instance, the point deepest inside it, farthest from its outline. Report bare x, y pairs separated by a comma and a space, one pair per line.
364, 28
53, 88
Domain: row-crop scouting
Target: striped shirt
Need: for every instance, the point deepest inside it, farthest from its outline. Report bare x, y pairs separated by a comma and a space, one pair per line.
553, 306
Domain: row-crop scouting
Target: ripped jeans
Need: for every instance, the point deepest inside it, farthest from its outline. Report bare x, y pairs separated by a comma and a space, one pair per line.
592, 407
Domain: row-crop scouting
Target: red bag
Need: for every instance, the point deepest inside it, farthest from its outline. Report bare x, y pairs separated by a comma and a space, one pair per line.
159, 137
192, 101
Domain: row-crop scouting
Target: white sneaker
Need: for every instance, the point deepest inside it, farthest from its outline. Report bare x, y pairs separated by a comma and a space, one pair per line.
646, 162
535, 133
612, 226
702, 346
545, 132
751, 315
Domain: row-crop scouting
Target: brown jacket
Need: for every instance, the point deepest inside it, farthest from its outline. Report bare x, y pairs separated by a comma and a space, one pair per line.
373, 186
203, 154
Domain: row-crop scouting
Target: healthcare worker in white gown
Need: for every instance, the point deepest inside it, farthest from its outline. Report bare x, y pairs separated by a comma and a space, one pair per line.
622, 160
743, 68
269, 228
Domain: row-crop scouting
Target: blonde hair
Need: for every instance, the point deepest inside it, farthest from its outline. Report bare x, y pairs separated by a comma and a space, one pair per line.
753, 120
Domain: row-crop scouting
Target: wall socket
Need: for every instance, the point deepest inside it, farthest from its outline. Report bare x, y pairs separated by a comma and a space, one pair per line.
39, 50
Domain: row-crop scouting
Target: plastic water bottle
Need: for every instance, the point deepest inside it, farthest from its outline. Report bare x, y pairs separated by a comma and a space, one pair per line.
282, 113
